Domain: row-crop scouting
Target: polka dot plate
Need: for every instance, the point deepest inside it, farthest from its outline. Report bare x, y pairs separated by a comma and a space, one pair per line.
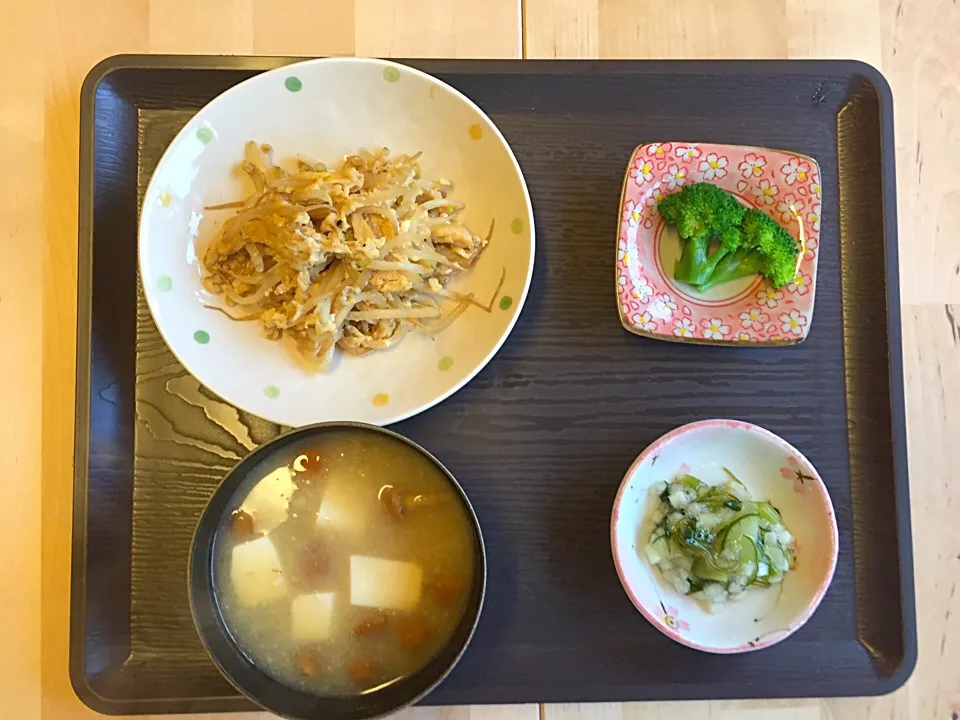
324, 109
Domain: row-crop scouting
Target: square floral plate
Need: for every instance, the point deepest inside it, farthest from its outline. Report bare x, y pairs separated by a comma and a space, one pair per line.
653, 304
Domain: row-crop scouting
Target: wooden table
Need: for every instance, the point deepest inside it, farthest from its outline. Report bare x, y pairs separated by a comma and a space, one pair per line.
46, 48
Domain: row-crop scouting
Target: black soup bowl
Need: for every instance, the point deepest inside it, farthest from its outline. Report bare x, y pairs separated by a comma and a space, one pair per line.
256, 684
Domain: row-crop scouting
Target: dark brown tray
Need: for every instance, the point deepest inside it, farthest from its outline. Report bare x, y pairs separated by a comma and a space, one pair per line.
541, 438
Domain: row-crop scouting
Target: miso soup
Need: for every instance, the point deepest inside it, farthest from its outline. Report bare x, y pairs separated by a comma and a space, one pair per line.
347, 563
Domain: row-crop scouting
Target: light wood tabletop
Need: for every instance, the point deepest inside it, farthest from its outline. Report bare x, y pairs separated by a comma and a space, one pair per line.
47, 47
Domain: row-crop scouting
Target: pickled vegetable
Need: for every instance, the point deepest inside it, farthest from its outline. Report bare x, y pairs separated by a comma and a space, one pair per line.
715, 542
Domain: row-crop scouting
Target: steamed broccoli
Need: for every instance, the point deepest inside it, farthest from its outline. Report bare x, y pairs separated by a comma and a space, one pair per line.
702, 212
765, 248
722, 241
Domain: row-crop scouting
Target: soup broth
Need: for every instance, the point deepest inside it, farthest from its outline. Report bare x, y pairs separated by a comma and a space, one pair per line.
347, 565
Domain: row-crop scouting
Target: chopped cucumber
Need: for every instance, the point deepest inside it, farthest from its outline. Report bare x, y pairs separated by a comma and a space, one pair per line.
741, 537
711, 520
715, 542
768, 513
740, 490
749, 558
678, 498
702, 569
744, 526
657, 550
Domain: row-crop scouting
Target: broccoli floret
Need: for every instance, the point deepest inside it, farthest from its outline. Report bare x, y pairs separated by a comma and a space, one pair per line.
765, 248
701, 212
721, 241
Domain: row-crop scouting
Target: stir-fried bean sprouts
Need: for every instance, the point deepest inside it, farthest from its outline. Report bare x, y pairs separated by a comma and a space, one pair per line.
347, 258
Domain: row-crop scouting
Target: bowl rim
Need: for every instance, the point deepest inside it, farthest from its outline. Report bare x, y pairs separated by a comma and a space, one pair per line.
617, 551
519, 298
228, 487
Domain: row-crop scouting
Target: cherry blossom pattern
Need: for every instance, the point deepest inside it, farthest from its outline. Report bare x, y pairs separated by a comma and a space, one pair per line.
743, 337
769, 297
785, 210
684, 328
800, 284
793, 472
634, 214
671, 620
656, 195
663, 306
658, 150
632, 211
753, 319
644, 322
714, 329
813, 217
688, 153
675, 177
812, 244
793, 323
642, 171
623, 253
795, 170
765, 192
752, 165
814, 187
642, 289
713, 167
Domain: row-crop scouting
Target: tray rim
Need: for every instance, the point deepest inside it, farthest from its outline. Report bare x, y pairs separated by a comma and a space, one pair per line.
103, 69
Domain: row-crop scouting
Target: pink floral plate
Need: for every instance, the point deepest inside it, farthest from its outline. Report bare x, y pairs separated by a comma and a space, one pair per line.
653, 304
772, 470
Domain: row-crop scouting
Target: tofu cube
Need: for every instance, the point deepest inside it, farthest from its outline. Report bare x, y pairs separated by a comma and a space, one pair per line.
256, 573
267, 502
346, 507
311, 617
384, 584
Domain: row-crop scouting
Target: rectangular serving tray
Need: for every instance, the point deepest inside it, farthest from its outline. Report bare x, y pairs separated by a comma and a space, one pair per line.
542, 437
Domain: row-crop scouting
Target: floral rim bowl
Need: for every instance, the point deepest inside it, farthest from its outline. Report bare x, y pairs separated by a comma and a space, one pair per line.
773, 470
746, 311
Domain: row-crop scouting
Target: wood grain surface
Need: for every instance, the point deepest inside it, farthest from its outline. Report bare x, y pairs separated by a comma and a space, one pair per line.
47, 46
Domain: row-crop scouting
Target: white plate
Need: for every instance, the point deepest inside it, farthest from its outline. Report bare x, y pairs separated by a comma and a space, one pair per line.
772, 470
325, 109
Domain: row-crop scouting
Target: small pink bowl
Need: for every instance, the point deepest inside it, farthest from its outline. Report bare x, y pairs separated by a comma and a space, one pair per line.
773, 470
